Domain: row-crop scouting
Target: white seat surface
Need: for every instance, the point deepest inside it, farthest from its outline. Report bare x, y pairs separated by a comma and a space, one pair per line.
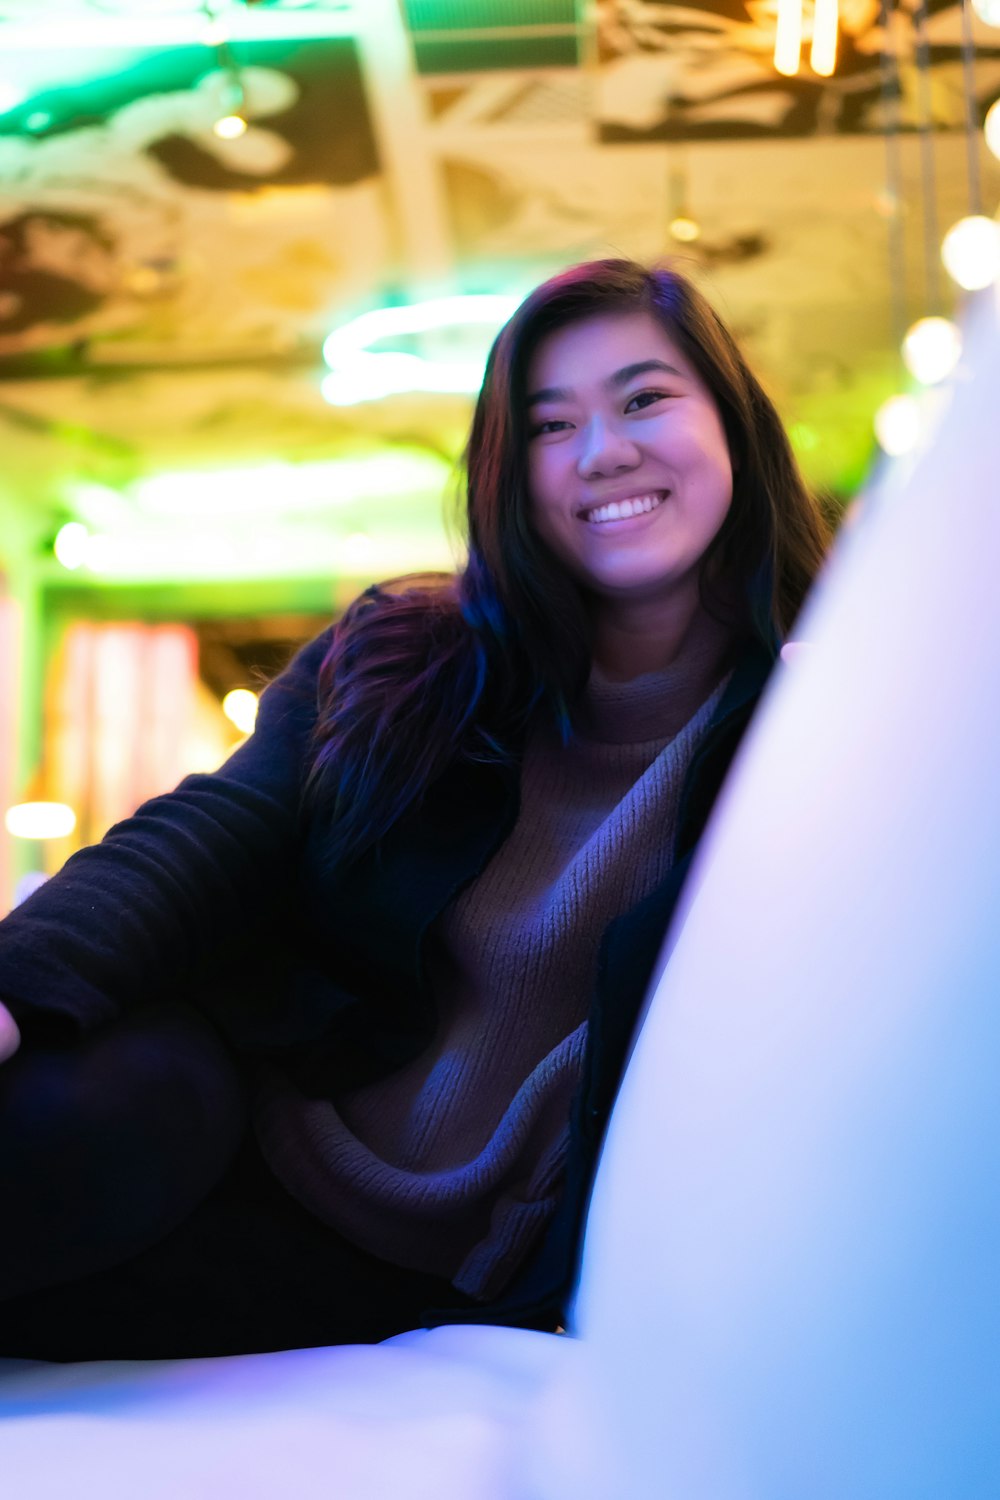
429, 1414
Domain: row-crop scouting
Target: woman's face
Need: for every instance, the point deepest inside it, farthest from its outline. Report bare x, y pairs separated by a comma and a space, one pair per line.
629, 472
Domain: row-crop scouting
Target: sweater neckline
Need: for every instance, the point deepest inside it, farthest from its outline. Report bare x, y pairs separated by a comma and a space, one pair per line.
655, 705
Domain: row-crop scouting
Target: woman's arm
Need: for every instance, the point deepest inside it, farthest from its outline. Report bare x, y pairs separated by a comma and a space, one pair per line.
126, 918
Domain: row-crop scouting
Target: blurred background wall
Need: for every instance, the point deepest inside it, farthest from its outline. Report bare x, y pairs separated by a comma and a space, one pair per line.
252, 253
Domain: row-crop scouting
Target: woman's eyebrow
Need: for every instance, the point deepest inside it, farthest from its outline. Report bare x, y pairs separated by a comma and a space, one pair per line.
641, 367
550, 393
619, 378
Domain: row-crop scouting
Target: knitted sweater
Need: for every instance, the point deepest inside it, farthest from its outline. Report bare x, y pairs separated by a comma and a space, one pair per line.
453, 1165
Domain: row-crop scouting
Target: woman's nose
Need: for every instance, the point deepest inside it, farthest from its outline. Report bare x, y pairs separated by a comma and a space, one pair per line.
606, 450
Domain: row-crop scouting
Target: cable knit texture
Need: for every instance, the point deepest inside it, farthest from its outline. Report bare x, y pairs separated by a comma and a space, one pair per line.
453, 1165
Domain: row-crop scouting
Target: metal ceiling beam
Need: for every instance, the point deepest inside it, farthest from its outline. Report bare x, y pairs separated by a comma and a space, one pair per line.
409, 159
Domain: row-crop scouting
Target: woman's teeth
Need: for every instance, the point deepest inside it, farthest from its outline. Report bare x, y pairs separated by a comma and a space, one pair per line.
620, 510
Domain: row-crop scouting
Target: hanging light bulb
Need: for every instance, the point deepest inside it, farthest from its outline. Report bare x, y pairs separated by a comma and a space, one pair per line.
823, 54
788, 37
685, 229
230, 127
932, 349
971, 252
897, 425
991, 128
988, 11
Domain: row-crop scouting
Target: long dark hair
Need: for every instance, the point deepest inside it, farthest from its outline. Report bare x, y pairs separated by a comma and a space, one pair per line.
427, 670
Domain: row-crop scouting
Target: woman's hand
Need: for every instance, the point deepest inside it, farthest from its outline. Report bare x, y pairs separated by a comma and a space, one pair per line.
10, 1037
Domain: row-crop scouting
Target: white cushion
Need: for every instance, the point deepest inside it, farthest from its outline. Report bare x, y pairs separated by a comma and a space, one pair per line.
791, 1275
425, 1416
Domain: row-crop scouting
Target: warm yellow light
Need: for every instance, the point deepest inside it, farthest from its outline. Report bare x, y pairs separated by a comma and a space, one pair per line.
991, 128
70, 545
897, 425
823, 54
971, 252
788, 37
229, 127
240, 707
932, 349
39, 820
684, 229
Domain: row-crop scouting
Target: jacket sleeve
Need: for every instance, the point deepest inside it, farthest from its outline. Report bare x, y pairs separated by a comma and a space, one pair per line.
126, 919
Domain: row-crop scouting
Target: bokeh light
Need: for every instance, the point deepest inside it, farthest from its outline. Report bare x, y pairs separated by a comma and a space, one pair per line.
897, 425
230, 127
971, 252
70, 545
40, 820
932, 349
240, 707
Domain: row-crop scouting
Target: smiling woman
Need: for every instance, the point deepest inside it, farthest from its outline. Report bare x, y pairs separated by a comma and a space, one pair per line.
630, 476
321, 1046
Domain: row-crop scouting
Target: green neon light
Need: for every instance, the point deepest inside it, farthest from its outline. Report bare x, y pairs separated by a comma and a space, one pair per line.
360, 373
279, 487
378, 513
11, 95
171, 554
236, 23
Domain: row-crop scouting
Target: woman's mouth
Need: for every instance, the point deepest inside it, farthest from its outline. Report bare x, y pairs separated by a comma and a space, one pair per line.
623, 510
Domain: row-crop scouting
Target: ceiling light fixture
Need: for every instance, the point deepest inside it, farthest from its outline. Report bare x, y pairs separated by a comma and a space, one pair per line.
823, 54
361, 373
230, 127
788, 37
685, 229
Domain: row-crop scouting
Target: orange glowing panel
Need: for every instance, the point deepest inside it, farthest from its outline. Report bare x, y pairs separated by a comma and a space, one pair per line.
121, 708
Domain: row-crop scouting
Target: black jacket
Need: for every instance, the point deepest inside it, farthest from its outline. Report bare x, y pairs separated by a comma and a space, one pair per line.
219, 891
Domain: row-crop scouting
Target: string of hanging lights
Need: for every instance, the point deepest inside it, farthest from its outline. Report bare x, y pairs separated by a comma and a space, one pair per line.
789, 33
232, 122
931, 348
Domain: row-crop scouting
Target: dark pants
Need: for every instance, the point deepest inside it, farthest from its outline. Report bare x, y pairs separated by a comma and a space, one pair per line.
138, 1219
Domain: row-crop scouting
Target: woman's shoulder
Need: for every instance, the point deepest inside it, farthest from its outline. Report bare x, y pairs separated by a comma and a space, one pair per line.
415, 598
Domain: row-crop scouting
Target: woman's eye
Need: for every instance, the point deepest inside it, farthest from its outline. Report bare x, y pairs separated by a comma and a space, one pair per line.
643, 399
552, 424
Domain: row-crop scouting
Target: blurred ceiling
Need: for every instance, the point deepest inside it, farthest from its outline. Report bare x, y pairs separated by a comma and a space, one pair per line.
165, 292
